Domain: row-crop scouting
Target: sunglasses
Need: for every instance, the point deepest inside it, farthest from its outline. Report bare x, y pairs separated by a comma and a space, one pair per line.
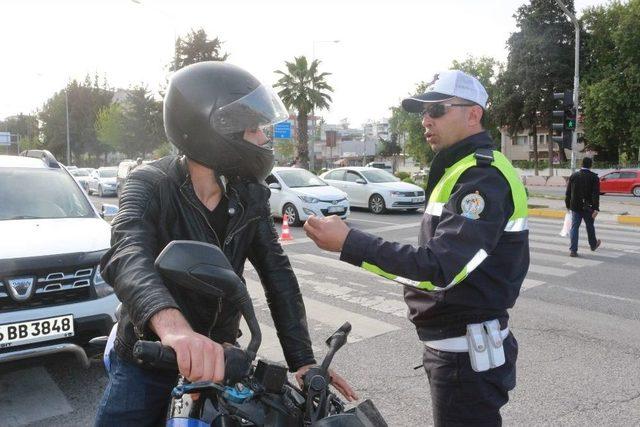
438, 110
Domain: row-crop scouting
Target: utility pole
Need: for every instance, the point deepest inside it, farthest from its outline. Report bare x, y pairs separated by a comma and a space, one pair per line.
576, 79
66, 103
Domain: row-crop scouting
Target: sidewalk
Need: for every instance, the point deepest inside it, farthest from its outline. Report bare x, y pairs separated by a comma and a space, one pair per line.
610, 211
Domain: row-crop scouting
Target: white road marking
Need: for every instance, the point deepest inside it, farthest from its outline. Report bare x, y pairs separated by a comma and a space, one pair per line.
565, 249
613, 236
564, 260
530, 284
30, 395
328, 262
597, 294
270, 348
368, 220
564, 240
550, 271
363, 326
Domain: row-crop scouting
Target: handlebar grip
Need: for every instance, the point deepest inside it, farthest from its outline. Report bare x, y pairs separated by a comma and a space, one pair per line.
155, 353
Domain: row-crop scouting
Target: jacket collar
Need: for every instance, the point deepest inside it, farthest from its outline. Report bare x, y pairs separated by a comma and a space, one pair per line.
452, 154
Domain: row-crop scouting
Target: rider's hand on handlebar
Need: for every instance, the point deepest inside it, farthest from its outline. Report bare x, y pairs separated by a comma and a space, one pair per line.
336, 380
199, 358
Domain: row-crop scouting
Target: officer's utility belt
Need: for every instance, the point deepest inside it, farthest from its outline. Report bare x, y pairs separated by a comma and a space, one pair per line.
483, 342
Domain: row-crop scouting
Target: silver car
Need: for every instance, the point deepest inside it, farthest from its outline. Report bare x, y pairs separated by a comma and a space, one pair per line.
103, 181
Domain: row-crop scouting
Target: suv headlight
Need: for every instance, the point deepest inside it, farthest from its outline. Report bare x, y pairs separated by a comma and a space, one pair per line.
397, 193
102, 288
308, 199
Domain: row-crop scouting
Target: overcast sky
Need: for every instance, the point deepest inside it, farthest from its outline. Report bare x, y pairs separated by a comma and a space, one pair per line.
385, 46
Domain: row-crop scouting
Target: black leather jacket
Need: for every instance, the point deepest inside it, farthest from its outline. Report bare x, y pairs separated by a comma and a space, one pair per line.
158, 205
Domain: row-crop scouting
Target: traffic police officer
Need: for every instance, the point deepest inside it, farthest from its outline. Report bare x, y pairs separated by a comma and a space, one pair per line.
472, 257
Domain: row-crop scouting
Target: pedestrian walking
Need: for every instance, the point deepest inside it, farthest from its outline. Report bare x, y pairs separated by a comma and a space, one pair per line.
582, 198
470, 262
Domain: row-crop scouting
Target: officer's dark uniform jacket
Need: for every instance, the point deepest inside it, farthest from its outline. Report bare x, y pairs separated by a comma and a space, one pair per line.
465, 270
158, 205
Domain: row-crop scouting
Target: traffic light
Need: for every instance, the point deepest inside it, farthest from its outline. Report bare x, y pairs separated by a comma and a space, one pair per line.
564, 120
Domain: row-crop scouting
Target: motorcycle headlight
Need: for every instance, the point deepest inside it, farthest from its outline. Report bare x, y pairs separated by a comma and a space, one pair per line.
308, 199
102, 288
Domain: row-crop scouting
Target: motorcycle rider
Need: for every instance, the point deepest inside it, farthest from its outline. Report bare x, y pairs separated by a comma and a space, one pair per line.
214, 113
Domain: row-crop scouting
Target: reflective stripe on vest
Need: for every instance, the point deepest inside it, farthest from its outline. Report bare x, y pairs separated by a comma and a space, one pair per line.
441, 195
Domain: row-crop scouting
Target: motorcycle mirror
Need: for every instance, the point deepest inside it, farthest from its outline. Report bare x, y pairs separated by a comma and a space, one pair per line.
199, 267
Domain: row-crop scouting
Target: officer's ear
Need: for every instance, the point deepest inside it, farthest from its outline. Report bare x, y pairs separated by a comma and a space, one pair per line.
475, 115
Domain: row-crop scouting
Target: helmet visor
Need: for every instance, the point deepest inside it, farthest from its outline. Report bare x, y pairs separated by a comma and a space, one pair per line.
259, 108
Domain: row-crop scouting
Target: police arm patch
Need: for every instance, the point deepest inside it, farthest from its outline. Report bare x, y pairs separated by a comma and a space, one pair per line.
472, 205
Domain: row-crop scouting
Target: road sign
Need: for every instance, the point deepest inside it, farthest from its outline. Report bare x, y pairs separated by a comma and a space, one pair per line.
282, 130
5, 138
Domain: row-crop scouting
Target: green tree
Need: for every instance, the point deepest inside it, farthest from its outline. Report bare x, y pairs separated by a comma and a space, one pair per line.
486, 70
390, 148
303, 88
611, 80
85, 101
286, 148
111, 128
25, 127
197, 47
540, 61
409, 125
143, 122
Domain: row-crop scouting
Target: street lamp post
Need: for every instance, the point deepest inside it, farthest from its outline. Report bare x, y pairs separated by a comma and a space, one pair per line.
66, 105
576, 79
311, 141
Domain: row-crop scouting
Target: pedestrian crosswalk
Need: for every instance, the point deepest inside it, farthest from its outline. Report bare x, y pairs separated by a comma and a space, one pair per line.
335, 292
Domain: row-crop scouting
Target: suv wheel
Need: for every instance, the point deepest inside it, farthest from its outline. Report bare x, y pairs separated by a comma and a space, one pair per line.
376, 204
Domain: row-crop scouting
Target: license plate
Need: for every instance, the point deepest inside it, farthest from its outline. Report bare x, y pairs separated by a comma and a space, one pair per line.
418, 199
16, 334
335, 209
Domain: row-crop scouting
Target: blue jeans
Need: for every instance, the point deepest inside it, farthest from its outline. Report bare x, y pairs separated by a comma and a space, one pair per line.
134, 396
576, 219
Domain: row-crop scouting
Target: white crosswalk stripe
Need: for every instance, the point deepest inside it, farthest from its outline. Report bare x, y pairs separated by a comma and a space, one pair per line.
357, 291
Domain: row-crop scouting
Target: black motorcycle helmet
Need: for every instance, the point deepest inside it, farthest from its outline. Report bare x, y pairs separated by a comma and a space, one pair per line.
208, 107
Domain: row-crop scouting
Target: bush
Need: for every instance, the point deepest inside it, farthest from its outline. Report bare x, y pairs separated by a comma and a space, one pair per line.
402, 175
409, 180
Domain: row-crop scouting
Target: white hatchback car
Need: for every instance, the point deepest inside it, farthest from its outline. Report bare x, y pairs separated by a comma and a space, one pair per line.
299, 194
375, 189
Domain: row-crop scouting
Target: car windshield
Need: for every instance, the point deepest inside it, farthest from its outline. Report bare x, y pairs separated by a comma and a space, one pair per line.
108, 173
28, 193
379, 175
300, 178
79, 172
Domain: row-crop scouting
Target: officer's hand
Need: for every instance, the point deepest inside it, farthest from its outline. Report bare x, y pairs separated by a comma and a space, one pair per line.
199, 358
336, 380
594, 214
328, 233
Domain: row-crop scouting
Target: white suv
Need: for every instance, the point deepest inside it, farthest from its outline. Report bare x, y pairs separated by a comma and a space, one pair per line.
52, 297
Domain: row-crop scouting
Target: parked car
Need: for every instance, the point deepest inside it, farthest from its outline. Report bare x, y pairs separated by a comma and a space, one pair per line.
621, 181
82, 176
103, 181
299, 194
52, 297
375, 189
124, 169
380, 165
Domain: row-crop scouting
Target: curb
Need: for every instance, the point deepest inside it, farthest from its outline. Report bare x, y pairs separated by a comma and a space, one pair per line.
554, 213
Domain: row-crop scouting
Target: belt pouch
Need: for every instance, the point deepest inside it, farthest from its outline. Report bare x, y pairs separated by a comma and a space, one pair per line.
494, 344
477, 342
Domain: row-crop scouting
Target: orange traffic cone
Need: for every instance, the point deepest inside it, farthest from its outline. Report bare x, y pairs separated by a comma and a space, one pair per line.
286, 233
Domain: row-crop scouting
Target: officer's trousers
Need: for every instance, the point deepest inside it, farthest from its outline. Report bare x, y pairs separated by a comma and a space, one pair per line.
462, 397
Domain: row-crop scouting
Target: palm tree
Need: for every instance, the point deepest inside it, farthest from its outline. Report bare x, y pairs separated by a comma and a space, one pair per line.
302, 88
